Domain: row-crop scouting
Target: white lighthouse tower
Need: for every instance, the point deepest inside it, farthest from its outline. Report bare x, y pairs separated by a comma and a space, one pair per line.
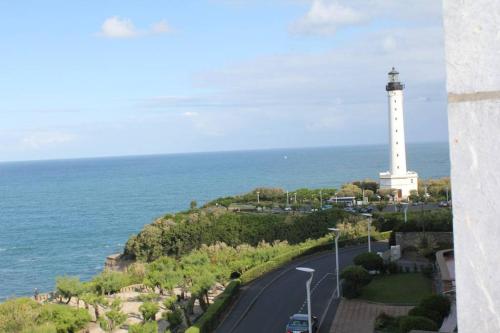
398, 178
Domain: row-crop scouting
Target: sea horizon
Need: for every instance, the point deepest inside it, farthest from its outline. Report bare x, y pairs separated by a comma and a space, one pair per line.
63, 217
214, 152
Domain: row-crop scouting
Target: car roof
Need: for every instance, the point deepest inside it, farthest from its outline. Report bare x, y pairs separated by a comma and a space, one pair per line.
300, 316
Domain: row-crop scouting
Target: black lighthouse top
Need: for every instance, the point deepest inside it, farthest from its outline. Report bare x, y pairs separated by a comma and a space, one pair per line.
394, 83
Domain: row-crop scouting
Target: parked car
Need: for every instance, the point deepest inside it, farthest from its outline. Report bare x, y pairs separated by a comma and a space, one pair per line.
443, 204
299, 323
350, 210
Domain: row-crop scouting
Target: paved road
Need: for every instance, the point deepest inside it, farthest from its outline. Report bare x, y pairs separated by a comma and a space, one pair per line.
265, 305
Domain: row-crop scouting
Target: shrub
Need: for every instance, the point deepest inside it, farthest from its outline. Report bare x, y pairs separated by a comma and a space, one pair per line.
65, 318
169, 302
420, 311
356, 274
150, 297
42, 328
355, 277
392, 268
369, 261
174, 318
437, 303
18, 314
409, 323
435, 307
350, 290
149, 310
149, 327
386, 322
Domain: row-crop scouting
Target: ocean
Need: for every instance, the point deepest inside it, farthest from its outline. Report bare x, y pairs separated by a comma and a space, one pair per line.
63, 217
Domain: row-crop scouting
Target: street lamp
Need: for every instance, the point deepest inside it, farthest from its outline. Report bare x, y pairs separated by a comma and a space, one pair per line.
405, 209
308, 290
369, 227
336, 232
258, 198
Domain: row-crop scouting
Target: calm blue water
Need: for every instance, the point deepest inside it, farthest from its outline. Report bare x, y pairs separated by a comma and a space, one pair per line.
64, 217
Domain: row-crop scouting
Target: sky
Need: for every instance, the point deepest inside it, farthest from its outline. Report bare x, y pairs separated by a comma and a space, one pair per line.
123, 77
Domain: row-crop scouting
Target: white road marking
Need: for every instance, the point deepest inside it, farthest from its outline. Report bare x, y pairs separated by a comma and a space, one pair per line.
313, 289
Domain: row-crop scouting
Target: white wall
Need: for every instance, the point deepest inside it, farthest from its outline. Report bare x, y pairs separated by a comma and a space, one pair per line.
472, 37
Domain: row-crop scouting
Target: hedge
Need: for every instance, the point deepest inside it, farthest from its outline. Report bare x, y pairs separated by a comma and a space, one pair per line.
435, 307
258, 271
409, 323
209, 320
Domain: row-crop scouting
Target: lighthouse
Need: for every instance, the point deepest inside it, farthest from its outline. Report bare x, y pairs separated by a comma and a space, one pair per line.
398, 178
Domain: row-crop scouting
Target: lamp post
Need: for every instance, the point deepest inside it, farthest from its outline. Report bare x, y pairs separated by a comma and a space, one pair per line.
287, 201
321, 199
369, 216
258, 198
336, 232
308, 291
405, 209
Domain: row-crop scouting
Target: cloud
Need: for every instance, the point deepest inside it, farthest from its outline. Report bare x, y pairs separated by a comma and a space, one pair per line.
330, 96
389, 44
161, 27
190, 114
117, 27
43, 139
324, 17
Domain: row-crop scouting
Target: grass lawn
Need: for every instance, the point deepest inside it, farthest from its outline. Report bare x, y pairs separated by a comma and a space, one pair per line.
408, 288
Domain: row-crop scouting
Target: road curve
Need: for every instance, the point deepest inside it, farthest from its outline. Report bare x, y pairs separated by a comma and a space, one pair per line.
265, 305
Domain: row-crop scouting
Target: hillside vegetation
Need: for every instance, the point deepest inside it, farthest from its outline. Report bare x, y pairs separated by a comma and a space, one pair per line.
175, 235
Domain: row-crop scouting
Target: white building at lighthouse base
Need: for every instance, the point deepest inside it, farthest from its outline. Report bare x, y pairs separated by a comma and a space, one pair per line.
402, 184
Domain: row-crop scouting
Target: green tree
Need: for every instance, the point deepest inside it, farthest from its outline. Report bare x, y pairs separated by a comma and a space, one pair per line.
149, 311
163, 273
199, 276
114, 317
109, 282
95, 301
69, 287
350, 190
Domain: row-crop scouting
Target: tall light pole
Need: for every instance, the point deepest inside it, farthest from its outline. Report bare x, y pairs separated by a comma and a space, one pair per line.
321, 199
369, 216
258, 198
405, 210
287, 201
308, 291
336, 232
